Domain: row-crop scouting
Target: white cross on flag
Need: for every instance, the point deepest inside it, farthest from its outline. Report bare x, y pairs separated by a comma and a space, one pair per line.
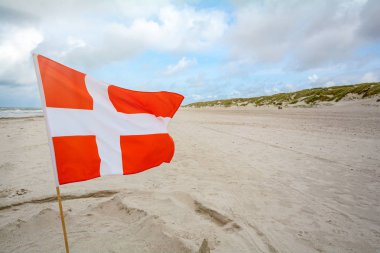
97, 129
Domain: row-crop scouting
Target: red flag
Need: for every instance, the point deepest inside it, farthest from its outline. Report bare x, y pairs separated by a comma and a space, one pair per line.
98, 129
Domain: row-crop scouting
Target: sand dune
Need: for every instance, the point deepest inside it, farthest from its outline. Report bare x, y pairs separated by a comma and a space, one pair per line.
246, 179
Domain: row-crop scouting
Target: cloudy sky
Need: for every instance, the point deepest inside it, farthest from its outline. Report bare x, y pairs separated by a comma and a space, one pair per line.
204, 50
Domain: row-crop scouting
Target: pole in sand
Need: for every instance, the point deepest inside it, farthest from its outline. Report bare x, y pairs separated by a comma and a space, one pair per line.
62, 219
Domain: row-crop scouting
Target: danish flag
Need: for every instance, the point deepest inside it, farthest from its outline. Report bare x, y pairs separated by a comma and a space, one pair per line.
97, 129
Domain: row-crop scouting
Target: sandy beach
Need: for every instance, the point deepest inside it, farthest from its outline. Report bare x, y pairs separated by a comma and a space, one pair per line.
246, 179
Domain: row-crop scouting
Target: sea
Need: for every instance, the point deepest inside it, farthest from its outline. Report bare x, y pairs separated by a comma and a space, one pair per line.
20, 112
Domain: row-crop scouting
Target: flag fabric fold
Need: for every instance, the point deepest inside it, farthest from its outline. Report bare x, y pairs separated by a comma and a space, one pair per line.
98, 129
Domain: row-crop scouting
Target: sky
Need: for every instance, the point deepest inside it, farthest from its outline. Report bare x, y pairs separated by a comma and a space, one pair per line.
204, 50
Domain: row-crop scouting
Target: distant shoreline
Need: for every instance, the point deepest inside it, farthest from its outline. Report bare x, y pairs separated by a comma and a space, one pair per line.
23, 117
20, 112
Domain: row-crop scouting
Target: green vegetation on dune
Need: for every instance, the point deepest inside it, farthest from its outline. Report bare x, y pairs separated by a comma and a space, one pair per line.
308, 96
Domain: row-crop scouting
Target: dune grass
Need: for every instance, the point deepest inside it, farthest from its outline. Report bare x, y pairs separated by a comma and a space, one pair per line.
308, 96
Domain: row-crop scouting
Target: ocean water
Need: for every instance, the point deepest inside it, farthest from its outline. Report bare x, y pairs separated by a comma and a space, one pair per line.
19, 112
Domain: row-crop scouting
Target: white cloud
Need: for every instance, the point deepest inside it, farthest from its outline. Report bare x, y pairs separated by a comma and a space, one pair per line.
313, 78
196, 97
235, 93
290, 87
16, 45
306, 34
182, 64
89, 34
169, 29
73, 43
272, 90
370, 77
329, 84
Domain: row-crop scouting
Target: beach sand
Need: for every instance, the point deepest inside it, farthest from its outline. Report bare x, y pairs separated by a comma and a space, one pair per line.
246, 179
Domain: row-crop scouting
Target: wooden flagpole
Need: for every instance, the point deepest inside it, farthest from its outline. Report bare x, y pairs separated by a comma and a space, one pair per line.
43, 105
62, 219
